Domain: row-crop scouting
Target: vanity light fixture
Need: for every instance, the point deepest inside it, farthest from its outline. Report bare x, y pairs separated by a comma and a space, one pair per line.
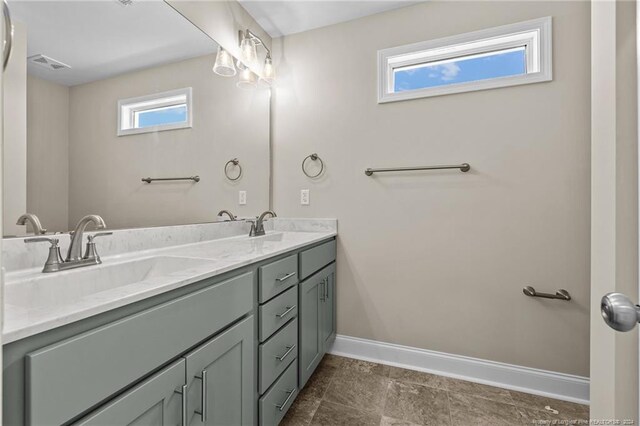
224, 63
249, 43
248, 48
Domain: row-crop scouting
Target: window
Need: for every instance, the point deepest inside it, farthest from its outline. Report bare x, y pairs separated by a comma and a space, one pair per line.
154, 113
498, 57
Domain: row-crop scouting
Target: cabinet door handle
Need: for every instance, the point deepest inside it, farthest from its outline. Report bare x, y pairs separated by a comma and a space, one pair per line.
284, 404
322, 284
285, 277
203, 394
285, 313
326, 288
286, 354
183, 392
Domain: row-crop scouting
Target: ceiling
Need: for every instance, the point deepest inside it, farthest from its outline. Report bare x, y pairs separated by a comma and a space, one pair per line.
101, 39
284, 17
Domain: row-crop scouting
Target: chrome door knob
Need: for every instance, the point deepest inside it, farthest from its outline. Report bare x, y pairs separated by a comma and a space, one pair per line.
619, 312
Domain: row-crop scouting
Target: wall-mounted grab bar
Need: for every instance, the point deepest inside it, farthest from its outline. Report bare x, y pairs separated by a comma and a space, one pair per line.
561, 294
464, 167
193, 178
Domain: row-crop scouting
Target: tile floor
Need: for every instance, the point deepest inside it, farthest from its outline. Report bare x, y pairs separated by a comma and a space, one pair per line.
345, 391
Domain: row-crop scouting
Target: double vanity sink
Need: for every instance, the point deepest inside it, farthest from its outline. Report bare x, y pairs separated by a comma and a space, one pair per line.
208, 331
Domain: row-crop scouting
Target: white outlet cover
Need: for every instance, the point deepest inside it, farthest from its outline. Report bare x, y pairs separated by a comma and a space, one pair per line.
304, 197
242, 198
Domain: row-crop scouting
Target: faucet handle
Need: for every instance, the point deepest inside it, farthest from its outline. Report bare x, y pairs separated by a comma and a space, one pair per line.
91, 253
54, 241
99, 234
54, 260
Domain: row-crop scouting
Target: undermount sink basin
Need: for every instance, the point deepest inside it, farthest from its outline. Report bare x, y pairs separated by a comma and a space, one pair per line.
61, 288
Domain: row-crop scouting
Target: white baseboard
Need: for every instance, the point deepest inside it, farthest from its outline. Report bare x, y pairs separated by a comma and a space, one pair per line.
562, 386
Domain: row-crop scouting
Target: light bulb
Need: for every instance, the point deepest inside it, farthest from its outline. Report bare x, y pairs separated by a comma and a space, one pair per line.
247, 80
224, 63
268, 72
248, 52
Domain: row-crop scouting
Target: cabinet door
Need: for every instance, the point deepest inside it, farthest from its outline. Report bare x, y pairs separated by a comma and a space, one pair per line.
328, 300
310, 324
156, 401
221, 378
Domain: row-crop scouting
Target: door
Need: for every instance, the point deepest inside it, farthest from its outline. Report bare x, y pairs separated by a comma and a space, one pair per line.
328, 305
614, 210
310, 314
156, 401
221, 378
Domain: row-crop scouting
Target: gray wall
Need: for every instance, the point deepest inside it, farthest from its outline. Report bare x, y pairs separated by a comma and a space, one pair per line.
48, 152
105, 170
437, 260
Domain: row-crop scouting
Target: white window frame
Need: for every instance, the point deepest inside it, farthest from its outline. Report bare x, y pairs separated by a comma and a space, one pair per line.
128, 109
535, 35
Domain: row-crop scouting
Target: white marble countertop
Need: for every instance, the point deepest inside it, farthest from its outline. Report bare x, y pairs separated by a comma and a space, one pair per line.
69, 296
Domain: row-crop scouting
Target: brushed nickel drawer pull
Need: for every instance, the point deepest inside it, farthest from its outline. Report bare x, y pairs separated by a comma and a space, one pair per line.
286, 354
285, 313
284, 404
183, 392
286, 277
203, 393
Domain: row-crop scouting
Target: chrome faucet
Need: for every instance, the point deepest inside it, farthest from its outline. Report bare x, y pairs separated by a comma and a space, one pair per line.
74, 258
257, 227
228, 213
77, 236
34, 221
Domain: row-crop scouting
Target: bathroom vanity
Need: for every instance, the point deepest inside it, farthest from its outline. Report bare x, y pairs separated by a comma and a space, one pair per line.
223, 331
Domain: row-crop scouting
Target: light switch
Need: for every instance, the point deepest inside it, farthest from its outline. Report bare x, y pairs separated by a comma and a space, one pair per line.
242, 198
304, 197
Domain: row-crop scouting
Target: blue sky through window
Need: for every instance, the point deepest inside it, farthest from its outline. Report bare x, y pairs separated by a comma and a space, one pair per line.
162, 116
495, 65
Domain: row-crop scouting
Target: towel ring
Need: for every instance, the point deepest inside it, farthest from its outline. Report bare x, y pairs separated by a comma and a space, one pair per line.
313, 157
235, 162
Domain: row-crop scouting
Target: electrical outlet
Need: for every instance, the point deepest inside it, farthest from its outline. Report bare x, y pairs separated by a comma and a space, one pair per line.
304, 197
242, 198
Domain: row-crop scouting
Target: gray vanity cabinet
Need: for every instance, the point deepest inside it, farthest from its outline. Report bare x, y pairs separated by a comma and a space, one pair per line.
221, 378
153, 402
328, 300
317, 319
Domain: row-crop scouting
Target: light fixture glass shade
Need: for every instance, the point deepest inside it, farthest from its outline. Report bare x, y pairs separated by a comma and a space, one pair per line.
247, 80
224, 63
248, 52
268, 72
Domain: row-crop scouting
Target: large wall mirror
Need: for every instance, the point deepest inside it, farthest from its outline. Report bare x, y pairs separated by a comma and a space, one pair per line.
99, 95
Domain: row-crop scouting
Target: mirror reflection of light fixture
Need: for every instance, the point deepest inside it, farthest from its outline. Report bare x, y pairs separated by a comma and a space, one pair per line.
224, 63
247, 79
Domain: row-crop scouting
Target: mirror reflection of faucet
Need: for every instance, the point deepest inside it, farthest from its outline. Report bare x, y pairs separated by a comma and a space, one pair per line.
33, 220
232, 217
74, 258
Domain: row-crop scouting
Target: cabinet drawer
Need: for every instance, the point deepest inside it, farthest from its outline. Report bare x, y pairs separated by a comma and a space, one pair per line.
278, 276
314, 259
66, 378
277, 353
275, 403
277, 312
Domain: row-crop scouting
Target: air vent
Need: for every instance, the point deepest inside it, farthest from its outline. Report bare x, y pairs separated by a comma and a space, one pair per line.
47, 62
